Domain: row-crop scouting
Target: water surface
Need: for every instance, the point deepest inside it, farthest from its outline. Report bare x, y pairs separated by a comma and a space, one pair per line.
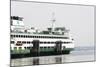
78, 55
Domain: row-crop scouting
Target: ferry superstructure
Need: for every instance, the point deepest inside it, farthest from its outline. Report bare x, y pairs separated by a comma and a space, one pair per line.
31, 41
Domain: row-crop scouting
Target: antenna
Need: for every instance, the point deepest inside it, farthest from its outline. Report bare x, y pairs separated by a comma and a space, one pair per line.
53, 20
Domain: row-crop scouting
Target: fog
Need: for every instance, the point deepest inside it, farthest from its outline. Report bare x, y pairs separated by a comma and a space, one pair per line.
78, 18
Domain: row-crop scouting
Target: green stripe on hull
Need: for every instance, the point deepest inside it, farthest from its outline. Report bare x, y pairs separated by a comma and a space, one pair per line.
46, 49
20, 51
40, 50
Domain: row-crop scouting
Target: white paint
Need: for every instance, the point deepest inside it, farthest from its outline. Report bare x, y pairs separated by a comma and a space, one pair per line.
17, 22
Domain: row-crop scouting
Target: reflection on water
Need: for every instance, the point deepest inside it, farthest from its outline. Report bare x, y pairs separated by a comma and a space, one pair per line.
36, 61
58, 60
75, 56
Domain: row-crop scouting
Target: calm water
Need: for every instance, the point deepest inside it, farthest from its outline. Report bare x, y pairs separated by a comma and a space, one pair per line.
78, 55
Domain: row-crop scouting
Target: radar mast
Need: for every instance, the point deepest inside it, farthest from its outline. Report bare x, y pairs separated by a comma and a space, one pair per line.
53, 20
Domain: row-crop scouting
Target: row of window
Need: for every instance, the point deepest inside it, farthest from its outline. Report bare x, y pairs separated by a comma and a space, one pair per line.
15, 48
16, 18
29, 36
29, 42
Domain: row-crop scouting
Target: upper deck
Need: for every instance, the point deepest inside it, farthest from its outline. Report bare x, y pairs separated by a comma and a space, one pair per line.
30, 35
19, 30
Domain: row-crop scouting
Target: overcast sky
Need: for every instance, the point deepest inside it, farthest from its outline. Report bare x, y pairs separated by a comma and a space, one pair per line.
79, 19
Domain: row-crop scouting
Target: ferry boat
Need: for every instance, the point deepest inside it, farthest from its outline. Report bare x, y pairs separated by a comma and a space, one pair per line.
33, 42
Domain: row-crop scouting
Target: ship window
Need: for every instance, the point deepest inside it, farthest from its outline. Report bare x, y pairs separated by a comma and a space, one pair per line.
13, 35
19, 36
18, 41
44, 47
18, 44
26, 36
16, 35
41, 47
28, 42
38, 36
24, 47
68, 42
48, 42
34, 36
12, 42
28, 47
51, 42
30, 36
44, 42
41, 42
20, 48
51, 37
42, 36
23, 41
48, 46
15, 48
51, 47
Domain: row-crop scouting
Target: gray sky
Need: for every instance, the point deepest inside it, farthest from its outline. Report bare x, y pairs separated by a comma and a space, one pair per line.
80, 19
